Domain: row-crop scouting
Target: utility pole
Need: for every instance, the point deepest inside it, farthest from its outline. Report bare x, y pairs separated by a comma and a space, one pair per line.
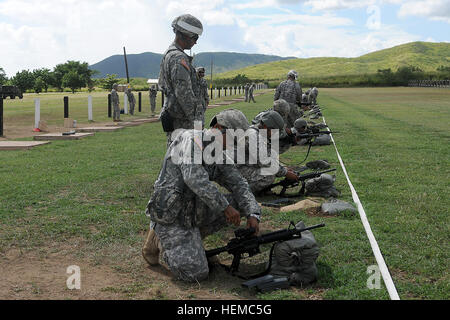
126, 65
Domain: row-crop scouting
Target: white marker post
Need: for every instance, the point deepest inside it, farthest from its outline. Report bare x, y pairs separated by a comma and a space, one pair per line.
125, 103
90, 108
37, 113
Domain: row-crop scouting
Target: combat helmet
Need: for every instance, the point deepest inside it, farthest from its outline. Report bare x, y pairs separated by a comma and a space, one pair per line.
292, 73
187, 24
282, 107
230, 119
300, 123
272, 120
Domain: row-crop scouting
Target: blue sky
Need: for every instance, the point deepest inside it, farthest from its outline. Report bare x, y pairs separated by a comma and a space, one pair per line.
43, 33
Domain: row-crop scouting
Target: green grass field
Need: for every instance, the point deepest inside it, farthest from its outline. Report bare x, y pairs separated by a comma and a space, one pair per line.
19, 113
82, 202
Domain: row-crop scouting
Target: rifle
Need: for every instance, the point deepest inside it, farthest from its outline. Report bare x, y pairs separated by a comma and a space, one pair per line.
313, 134
246, 241
285, 183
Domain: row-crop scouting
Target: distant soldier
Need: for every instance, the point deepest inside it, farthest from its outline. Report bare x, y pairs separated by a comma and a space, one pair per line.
204, 96
246, 87
178, 79
131, 100
312, 96
152, 93
250, 93
115, 102
290, 91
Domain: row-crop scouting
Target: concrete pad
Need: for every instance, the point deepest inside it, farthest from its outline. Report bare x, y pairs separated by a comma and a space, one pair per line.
146, 120
21, 145
98, 129
59, 136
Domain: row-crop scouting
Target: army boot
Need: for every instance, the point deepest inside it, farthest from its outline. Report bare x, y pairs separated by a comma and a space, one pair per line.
152, 248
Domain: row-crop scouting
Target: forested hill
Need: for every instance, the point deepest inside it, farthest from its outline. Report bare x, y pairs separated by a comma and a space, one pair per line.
146, 65
427, 56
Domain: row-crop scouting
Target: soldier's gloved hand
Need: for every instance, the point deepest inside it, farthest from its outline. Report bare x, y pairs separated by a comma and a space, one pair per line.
232, 216
290, 175
252, 222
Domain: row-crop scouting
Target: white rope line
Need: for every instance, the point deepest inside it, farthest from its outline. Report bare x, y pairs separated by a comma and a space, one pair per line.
373, 242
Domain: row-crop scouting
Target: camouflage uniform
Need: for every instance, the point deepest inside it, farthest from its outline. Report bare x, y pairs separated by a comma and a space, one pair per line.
186, 206
312, 96
250, 93
290, 91
252, 172
178, 81
204, 96
131, 100
152, 93
115, 103
246, 87
283, 108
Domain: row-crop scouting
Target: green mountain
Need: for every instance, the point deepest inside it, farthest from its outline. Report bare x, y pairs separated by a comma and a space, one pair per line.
425, 55
146, 65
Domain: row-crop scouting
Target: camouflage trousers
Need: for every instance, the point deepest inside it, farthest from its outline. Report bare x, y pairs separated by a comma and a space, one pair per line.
183, 250
153, 104
255, 179
116, 112
132, 105
294, 114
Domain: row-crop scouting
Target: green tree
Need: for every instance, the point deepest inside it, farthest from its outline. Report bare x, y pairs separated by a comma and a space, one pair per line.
3, 77
386, 76
72, 80
80, 68
46, 77
24, 80
407, 73
108, 82
38, 85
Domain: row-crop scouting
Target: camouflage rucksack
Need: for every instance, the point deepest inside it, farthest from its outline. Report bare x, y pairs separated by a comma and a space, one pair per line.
296, 258
322, 186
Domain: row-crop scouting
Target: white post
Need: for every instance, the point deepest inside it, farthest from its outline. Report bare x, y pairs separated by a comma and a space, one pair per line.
37, 112
125, 103
90, 108
215, 93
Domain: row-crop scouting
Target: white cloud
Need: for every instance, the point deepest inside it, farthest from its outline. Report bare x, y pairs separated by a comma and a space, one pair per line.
434, 9
318, 40
43, 33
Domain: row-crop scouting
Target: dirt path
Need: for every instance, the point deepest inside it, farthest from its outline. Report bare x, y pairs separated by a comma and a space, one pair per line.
42, 274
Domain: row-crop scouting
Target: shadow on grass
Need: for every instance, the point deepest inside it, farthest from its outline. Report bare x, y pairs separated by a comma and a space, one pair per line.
326, 277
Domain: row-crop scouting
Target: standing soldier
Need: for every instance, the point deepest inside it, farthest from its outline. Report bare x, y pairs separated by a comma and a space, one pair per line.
250, 93
246, 87
178, 79
131, 100
204, 96
115, 102
153, 92
290, 91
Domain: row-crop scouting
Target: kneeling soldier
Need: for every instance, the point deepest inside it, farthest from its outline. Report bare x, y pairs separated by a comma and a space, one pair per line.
186, 206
